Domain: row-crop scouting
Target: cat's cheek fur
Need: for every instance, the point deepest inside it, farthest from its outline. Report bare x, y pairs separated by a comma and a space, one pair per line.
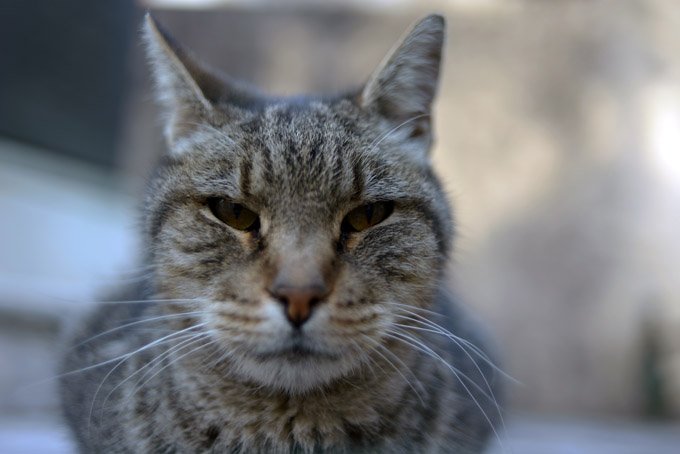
400, 255
195, 249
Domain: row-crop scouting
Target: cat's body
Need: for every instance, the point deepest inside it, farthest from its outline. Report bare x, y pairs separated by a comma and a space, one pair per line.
297, 251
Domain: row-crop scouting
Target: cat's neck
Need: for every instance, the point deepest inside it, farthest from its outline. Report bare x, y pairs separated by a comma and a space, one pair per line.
361, 399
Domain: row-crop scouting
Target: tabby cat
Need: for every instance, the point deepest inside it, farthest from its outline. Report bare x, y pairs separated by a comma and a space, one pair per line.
295, 300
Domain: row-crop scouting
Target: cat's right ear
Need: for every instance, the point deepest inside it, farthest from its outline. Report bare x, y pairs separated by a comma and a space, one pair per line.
403, 87
187, 91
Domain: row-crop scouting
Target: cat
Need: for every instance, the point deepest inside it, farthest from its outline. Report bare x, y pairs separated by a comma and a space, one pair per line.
296, 297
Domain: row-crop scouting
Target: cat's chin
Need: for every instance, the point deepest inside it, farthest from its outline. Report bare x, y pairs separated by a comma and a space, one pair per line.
296, 369
295, 354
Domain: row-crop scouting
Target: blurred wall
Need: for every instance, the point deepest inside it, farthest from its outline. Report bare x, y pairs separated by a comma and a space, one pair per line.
63, 74
559, 128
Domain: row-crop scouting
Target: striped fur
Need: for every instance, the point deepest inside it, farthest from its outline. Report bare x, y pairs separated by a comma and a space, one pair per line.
208, 361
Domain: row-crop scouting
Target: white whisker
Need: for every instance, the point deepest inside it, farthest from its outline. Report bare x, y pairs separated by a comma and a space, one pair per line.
375, 143
138, 322
479, 370
408, 382
122, 358
174, 361
409, 340
151, 364
151, 301
443, 331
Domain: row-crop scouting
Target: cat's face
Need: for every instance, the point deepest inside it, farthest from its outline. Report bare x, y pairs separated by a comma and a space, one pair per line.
299, 230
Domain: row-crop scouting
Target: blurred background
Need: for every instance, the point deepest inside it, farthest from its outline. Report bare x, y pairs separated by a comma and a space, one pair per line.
558, 126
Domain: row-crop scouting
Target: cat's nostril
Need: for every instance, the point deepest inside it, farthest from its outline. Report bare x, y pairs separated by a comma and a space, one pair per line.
298, 302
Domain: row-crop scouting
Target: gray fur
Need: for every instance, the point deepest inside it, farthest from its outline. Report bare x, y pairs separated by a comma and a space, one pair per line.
348, 380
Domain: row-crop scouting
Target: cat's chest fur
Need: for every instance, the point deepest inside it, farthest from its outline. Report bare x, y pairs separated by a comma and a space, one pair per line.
189, 407
243, 417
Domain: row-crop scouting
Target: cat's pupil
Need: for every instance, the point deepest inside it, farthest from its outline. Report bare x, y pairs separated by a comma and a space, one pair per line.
369, 213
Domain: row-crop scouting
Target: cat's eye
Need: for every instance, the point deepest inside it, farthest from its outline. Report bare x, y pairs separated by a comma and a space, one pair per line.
366, 216
234, 214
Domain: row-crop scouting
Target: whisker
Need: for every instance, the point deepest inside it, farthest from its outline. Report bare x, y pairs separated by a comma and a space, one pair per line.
443, 331
137, 322
151, 301
408, 382
409, 340
125, 357
150, 364
428, 350
486, 382
188, 339
461, 343
104, 363
362, 348
452, 339
213, 355
169, 352
435, 325
375, 143
421, 309
225, 354
137, 388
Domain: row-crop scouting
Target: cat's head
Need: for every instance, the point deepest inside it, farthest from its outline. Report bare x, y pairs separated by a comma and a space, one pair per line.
300, 228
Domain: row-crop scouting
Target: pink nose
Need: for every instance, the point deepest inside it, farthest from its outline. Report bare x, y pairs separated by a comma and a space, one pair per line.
298, 302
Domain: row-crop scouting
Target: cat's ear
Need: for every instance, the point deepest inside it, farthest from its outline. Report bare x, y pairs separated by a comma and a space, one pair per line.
404, 85
187, 91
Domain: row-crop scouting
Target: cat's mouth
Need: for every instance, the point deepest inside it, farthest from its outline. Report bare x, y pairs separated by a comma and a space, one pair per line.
298, 348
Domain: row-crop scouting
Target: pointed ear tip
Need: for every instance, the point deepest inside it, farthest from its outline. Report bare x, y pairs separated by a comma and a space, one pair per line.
436, 18
430, 29
149, 20
432, 23
156, 35
150, 28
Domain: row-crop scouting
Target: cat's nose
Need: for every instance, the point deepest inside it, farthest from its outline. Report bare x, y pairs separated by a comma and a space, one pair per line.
299, 302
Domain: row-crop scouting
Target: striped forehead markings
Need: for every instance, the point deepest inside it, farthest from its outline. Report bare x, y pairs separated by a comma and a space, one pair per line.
357, 180
245, 170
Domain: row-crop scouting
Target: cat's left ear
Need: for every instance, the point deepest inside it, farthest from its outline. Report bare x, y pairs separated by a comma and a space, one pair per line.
190, 94
404, 85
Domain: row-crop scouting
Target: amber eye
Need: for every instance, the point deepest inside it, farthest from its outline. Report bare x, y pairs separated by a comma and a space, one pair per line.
365, 216
234, 214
